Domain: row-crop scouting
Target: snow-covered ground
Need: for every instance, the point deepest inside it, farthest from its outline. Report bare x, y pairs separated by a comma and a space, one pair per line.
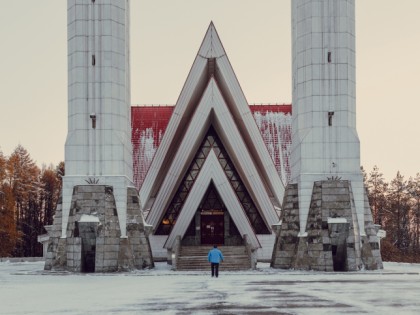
26, 289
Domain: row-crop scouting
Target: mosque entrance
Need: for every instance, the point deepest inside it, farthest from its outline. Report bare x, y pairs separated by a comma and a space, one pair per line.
212, 227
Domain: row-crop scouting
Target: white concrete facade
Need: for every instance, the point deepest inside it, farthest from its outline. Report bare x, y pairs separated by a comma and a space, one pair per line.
98, 145
212, 171
325, 143
193, 88
212, 96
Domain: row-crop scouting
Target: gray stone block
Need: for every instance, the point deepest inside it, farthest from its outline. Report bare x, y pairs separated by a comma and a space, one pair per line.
112, 241
110, 264
110, 256
284, 261
111, 248
135, 241
77, 256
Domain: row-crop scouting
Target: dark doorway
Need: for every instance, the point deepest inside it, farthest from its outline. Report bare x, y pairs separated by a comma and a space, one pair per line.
89, 259
87, 231
212, 227
339, 257
338, 236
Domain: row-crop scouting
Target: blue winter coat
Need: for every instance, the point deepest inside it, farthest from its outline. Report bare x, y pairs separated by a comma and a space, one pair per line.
215, 256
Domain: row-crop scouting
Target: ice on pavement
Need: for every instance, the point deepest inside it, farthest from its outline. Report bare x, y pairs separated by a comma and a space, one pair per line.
26, 289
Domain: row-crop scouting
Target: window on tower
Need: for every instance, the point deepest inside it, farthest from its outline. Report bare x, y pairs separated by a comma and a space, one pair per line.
330, 116
93, 117
329, 57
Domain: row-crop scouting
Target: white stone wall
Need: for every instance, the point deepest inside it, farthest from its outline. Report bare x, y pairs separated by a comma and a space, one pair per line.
98, 89
323, 70
267, 244
156, 243
321, 29
99, 84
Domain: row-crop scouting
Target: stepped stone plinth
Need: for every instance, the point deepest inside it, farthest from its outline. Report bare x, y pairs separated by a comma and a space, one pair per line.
93, 241
333, 241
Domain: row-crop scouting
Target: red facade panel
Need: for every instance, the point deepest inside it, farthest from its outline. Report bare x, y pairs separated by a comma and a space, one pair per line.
148, 125
275, 125
283, 108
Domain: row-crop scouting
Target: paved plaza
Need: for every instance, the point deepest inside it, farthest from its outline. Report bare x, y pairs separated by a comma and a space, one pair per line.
26, 289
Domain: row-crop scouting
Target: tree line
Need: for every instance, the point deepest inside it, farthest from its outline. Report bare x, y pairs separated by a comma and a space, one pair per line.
29, 194
396, 208
28, 197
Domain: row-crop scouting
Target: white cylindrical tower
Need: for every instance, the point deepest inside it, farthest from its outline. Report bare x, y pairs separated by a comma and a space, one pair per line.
98, 146
325, 144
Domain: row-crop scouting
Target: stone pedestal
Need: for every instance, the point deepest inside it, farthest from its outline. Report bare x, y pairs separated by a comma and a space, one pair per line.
332, 241
93, 240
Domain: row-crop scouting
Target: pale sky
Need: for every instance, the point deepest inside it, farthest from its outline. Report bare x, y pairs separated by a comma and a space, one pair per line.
165, 37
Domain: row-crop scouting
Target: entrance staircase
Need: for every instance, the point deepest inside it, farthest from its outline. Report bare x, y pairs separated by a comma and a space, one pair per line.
195, 258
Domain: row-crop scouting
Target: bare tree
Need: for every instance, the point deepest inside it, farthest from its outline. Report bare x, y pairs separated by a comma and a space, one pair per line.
8, 231
23, 179
414, 191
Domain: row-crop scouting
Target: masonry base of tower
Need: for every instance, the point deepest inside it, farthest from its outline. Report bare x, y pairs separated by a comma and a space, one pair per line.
332, 240
93, 241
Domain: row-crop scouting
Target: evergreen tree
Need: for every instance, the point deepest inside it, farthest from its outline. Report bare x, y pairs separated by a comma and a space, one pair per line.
50, 184
377, 188
398, 222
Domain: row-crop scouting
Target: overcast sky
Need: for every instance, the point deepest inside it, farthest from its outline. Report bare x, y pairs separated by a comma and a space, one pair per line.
165, 37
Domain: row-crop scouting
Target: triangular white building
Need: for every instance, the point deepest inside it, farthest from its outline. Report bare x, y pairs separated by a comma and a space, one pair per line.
212, 180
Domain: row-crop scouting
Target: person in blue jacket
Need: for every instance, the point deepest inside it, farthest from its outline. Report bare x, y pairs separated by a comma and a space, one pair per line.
215, 257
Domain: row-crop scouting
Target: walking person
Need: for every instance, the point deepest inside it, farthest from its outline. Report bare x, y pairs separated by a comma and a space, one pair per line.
215, 257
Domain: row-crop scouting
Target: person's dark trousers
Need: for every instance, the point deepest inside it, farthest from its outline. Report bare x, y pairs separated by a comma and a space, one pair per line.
214, 269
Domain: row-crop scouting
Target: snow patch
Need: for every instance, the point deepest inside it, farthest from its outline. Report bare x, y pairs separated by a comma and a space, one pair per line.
337, 220
89, 218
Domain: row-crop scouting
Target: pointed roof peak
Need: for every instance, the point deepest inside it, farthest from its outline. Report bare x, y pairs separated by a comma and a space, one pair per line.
211, 25
211, 47
195, 108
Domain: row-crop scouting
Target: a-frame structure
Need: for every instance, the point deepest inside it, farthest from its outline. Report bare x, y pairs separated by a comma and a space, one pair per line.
211, 147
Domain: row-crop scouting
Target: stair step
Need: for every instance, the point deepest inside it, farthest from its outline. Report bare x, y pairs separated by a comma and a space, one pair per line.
195, 258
